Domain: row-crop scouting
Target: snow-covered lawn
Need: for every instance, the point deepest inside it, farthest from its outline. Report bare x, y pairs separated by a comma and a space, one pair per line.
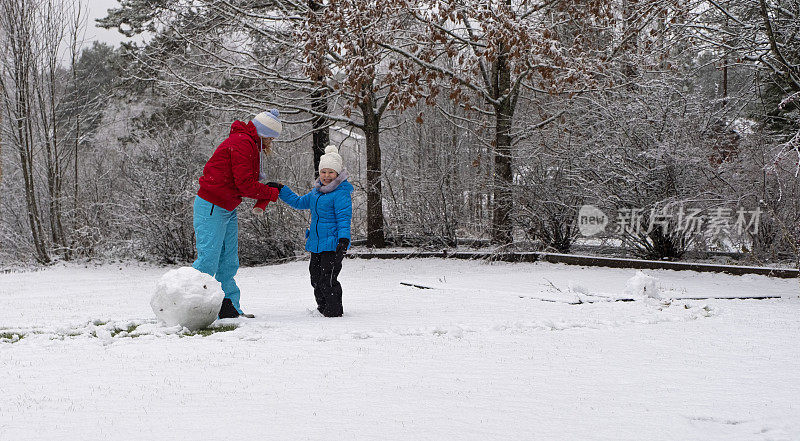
478, 357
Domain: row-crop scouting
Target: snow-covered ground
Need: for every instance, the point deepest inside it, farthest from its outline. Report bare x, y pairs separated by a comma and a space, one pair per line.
479, 357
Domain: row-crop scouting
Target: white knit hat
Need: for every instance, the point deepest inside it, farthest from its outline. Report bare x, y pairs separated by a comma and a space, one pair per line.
331, 159
268, 124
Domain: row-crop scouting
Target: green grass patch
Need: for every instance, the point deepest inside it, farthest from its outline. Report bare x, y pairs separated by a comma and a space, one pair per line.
208, 331
128, 330
11, 337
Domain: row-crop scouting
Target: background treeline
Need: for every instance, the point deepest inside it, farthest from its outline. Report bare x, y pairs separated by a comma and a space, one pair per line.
461, 122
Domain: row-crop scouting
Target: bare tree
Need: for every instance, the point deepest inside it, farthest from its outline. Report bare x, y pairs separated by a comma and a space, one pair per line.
242, 57
499, 49
19, 24
761, 37
39, 37
366, 75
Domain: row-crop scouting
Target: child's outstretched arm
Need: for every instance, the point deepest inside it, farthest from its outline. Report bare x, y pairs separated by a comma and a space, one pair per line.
293, 200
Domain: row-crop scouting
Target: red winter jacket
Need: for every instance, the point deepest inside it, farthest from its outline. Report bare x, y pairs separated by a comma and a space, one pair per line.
232, 171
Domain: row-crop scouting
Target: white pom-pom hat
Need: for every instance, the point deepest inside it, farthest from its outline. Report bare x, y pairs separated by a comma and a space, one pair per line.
268, 124
331, 159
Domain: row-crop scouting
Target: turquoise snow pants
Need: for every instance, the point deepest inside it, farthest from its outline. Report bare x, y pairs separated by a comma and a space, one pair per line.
216, 232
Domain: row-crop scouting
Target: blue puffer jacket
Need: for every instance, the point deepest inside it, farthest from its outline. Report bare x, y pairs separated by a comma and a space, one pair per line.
331, 214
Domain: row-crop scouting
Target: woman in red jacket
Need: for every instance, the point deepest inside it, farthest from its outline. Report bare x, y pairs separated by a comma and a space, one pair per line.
231, 174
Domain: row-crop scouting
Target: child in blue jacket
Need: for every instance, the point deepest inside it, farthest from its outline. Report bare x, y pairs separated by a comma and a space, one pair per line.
328, 236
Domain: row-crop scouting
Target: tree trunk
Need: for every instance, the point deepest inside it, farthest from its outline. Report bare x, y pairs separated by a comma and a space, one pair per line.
375, 237
725, 69
321, 136
630, 44
319, 103
75, 163
53, 170
1, 147
501, 210
25, 138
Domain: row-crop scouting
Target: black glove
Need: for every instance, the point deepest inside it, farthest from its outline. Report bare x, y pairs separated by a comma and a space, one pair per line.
277, 185
341, 246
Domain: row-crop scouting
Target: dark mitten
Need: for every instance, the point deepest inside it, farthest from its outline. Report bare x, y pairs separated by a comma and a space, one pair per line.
277, 185
342, 245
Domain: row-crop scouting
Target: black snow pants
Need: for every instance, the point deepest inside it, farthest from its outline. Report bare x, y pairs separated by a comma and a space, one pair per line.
324, 269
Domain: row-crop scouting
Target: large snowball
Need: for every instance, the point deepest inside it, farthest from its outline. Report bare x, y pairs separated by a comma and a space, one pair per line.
187, 297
